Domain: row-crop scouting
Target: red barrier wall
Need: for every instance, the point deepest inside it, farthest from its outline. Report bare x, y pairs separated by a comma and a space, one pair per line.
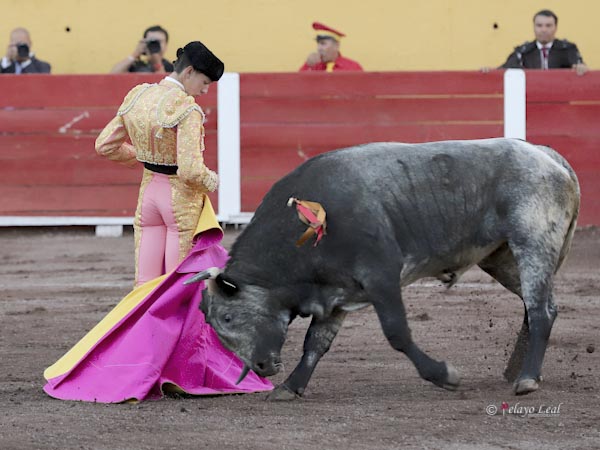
49, 168
563, 111
287, 118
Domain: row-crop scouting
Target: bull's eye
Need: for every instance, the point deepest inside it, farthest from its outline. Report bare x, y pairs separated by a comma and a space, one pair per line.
227, 318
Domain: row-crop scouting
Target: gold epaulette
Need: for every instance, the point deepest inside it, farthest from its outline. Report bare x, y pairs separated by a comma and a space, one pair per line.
132, 97
174, 106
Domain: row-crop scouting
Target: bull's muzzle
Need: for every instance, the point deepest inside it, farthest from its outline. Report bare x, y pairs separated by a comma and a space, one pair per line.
266, 368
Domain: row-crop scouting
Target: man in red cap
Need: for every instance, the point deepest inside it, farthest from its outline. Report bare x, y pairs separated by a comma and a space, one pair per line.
327, 58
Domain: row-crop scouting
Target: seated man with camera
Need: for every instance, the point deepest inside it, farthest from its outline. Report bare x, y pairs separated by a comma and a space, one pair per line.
148, 54
19, 58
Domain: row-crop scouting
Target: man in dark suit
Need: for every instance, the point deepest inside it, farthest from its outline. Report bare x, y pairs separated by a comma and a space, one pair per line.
19, 59
546, 52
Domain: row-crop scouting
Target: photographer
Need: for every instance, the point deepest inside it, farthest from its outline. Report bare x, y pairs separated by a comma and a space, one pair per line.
148, 54
19, 58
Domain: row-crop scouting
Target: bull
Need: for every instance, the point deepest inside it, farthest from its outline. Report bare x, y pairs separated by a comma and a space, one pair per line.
397, 213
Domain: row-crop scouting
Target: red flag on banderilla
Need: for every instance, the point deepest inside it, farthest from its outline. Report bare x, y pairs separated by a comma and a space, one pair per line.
313, 215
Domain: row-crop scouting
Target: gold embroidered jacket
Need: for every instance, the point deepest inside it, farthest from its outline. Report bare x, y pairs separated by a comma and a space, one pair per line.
165, 126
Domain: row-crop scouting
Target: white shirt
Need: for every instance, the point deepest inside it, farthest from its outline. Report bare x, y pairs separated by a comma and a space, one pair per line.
19, 66
173, 80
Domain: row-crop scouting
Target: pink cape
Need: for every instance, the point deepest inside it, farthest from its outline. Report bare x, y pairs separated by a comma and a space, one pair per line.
162, 339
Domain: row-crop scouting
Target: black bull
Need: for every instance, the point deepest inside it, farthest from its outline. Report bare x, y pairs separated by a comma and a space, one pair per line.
397, 213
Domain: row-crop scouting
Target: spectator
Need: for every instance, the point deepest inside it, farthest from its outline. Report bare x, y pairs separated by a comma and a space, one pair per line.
546, 52
148, 55
328, 58
19, 57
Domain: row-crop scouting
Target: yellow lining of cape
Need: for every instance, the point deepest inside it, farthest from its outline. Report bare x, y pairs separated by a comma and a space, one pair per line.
208, 220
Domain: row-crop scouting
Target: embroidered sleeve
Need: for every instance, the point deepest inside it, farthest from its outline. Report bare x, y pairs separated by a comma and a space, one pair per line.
190, 159
112, 143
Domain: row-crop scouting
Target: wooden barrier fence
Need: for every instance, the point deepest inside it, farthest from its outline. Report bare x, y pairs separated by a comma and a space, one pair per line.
48, 124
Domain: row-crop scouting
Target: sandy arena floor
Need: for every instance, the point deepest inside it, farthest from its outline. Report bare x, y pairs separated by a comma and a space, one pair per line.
56, 284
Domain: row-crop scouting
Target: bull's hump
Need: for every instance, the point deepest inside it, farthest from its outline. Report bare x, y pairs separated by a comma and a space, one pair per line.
393, 161
385, 152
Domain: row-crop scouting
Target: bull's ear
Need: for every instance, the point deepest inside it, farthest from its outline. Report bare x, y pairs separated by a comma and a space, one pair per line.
226, 286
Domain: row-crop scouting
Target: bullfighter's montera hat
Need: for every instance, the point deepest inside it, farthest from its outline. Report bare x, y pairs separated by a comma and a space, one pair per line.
325, 32
203, 60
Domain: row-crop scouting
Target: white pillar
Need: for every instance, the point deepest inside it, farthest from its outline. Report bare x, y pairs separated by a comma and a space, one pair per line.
514, 104
228, 116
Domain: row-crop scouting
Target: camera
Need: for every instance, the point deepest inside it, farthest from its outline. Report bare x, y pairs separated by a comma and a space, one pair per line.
153, 46
23, 50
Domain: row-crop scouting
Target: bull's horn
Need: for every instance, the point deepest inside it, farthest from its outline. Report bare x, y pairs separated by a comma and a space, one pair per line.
245, 371
204, 275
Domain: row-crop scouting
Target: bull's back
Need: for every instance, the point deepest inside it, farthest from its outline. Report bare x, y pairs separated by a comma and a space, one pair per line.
387, 158
423, 182
446, 171
426, 198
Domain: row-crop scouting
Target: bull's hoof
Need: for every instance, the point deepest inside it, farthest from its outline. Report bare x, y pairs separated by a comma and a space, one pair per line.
282, 394
525, 386
452, 379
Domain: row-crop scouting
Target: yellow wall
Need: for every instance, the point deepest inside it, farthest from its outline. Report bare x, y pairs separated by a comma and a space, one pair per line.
275, 35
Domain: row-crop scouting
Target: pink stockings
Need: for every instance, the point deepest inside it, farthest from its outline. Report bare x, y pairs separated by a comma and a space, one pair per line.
165, 219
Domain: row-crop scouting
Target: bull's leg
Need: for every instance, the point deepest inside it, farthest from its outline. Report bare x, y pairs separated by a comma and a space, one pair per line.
501, 265
318, 339
541, 312
515, 362
539, 244
392, 317
537, 264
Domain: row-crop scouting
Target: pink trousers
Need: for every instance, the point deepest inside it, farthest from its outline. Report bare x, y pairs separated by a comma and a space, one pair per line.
165, 220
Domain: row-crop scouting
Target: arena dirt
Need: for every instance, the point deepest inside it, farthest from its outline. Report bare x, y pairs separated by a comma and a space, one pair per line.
57, 283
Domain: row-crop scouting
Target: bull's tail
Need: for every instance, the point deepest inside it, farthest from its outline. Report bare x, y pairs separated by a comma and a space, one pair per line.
564, 251
575, 206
